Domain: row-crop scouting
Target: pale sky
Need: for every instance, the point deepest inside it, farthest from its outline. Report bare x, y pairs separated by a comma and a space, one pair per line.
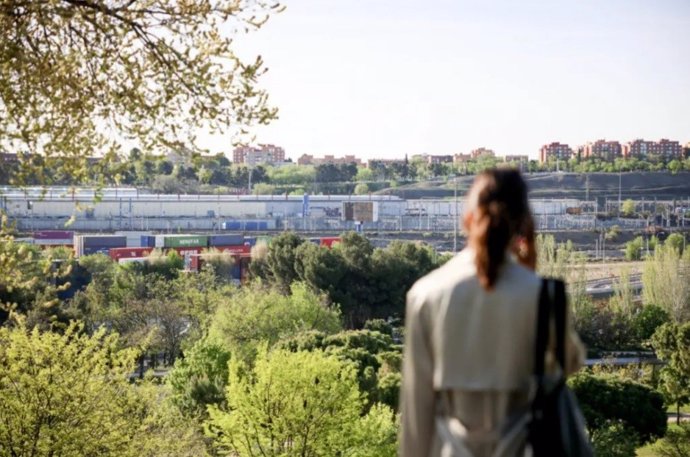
385, 78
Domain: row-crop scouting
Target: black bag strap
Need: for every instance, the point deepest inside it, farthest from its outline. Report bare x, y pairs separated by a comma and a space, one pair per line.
552, 299
543, 313
559, 307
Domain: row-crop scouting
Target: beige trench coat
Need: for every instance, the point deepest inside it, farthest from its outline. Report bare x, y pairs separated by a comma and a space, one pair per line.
468, 361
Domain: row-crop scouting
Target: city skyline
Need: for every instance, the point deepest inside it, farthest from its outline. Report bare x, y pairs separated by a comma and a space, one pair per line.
385, 79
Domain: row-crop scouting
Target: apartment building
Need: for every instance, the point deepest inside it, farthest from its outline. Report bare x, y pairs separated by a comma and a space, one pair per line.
555, 151
482, 152
308, 159
519, 158
606, 150
263, 154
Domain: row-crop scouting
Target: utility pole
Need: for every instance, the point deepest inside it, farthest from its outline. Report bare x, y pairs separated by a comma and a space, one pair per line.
455, 219
619, 191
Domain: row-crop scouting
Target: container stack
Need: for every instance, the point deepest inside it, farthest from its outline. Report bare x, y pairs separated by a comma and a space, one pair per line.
94, 244
53, 238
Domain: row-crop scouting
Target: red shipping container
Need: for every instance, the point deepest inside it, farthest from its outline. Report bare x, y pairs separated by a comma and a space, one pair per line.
54, 235
241, 250
124, 253
330, 241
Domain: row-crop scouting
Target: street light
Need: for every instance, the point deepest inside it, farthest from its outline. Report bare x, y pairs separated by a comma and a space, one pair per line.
455, 219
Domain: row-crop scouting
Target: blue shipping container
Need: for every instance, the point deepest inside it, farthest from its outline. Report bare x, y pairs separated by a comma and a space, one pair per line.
234, 239
111, 241
148, 241
232, 225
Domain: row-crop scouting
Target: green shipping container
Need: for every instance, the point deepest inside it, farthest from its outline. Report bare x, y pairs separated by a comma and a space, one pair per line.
185, 241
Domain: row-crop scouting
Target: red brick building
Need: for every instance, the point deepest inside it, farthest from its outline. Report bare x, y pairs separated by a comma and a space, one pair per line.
555, 151
264, 154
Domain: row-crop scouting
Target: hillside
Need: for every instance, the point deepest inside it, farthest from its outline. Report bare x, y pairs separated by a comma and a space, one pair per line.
636, 185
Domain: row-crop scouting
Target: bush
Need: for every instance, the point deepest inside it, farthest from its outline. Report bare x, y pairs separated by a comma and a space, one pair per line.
614, 440
606, 400
676, 443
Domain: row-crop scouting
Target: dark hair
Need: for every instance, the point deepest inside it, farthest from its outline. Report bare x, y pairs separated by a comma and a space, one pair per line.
501, 210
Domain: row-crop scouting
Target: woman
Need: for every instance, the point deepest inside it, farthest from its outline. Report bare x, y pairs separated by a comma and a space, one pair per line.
470, 334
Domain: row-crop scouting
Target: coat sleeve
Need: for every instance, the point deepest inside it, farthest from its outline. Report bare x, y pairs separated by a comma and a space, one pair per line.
417, 392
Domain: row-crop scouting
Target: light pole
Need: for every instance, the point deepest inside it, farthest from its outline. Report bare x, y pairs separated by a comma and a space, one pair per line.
455, 219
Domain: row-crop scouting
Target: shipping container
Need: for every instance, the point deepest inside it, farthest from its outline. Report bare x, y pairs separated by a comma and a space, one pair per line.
132, 260
54, 235
242, 250
91, 250
92, 244
113, 241
233, 239
185, 241
251, 225
148, 241
134, 238
329, 241
52, 242
121, 253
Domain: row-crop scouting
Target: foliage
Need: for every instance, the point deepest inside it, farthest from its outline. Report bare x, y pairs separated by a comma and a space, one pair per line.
254, 314
280, 259
149, 311
298, 403
69, 394
633, 249
155, 73
676, 443
671, 342
628, 208
372, 353
614, 440
665, 282
606, 399
199, 379
675, 241
365, 282
613, 233
561, 261
27, 280
361, 189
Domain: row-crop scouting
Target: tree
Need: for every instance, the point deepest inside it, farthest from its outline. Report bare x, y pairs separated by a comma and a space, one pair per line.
27, 279
665, 282
676, 443
69, 394
199, 379
82, 74
377, 359
633, 249
671, 342
606, 400
361, 189
280, 259
253, 315
628, 208
675, 241
299, 403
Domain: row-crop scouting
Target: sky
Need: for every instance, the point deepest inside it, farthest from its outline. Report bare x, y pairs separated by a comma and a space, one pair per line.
386, 78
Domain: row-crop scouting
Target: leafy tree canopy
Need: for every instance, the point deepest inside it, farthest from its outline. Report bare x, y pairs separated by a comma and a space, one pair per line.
299, 403
81, 76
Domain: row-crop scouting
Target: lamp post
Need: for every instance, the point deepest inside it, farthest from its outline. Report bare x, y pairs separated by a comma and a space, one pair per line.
455, 219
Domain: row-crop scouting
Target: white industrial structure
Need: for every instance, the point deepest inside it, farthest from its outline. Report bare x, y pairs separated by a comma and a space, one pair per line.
128, 209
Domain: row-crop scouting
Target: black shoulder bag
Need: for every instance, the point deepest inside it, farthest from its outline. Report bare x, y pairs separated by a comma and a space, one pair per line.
557, 427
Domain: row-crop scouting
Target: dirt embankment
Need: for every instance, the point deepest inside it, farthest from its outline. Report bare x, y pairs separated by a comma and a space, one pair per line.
637, 185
